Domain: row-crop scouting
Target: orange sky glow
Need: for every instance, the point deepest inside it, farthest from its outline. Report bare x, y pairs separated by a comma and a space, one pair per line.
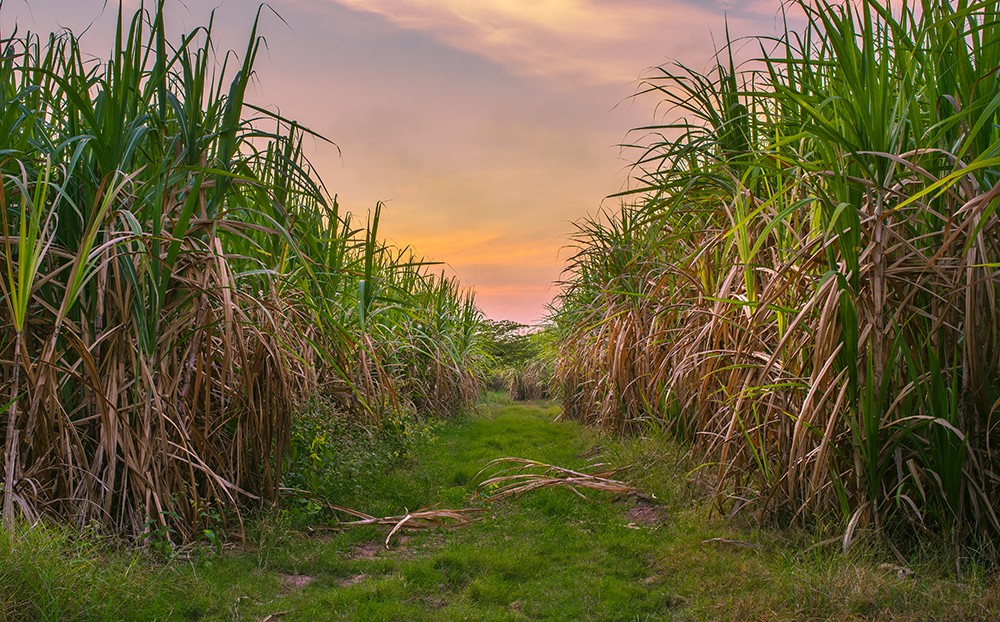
487, 127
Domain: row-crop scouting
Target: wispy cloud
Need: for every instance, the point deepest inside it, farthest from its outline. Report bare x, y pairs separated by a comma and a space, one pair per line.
595, 41
482, 165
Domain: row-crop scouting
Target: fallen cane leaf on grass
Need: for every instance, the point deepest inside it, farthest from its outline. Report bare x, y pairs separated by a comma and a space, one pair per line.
515, 476
737, 543
412, 521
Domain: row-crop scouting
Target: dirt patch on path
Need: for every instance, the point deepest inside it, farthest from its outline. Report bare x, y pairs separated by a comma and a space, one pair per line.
295, 581
643, 513
370, 550
365, 551
349, 581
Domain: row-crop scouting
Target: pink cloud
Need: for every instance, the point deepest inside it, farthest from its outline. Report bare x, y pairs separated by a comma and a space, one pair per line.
580, 40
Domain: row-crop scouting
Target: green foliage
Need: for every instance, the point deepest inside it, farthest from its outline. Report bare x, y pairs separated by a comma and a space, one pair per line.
509, 343
334, 457
48, 573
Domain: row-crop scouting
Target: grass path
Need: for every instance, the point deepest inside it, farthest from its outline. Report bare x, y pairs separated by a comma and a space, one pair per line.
548, 555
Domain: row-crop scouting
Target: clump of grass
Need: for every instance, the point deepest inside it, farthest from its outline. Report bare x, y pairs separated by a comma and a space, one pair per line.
532, 381
803, 283
47, 573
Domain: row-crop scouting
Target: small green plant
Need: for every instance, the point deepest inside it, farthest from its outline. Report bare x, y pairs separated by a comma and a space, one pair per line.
213, 529
333, 454
160, 536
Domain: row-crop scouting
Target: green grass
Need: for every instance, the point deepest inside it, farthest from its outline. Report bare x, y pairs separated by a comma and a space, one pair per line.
548, 555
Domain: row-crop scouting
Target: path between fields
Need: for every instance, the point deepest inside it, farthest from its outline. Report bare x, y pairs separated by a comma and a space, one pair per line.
549, 554
545, 554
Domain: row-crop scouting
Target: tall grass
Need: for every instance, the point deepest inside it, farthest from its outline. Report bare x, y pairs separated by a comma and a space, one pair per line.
803, 282
177, 280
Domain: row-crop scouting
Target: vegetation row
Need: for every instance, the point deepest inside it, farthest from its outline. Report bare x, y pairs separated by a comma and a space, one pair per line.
177, 281
803, 282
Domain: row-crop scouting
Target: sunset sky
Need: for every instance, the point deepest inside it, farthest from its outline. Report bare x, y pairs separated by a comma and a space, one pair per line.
486, 126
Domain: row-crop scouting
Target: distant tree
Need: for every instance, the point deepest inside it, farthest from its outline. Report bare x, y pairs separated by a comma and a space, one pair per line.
522, 359
509, 343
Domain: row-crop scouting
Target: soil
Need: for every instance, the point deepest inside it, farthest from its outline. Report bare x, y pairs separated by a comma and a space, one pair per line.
645, 514
295, 581
367, 551
349, 581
